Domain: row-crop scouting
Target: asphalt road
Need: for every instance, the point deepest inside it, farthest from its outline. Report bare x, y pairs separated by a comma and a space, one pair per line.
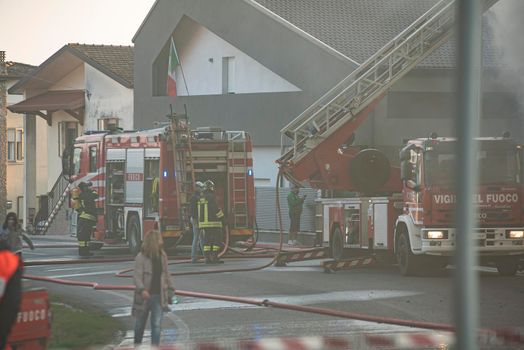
379, 291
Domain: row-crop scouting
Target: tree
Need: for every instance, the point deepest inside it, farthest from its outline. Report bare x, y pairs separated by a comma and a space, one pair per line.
3, 135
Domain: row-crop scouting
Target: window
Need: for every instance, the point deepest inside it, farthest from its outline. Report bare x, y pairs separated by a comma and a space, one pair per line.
92, 159
104, 123
19, 145
228, 75
15, 148
11, 150
76, 160
67, 134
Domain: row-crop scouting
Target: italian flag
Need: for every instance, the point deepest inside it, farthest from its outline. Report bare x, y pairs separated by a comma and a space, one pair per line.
173, 63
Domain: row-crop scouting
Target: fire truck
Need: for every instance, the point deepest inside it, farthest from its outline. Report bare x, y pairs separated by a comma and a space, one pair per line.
145, 179
403, 209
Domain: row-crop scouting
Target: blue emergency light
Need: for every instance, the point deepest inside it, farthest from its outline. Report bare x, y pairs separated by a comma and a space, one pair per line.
164, 173
249, 172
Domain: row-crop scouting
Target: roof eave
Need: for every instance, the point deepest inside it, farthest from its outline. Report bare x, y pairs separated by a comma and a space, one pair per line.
144, 21
100, 67
18, 87
300, 32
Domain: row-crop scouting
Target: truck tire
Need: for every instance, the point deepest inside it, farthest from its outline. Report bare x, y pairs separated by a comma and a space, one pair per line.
337, 244
508, 266
407, 261
133, 234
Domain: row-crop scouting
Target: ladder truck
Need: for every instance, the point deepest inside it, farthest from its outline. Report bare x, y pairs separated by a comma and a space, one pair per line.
405, 212
145, 179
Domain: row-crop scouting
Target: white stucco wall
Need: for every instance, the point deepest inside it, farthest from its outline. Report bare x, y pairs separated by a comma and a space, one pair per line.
264, 167
106, 98
201, 52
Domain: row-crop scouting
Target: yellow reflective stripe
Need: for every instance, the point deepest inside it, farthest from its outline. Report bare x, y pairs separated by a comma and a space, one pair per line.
83, 243
216, 248
220, 214
207, 248
210, 224
87, 216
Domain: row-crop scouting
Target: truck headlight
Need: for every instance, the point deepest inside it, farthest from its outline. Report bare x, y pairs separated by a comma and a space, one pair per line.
515, 234
436, 234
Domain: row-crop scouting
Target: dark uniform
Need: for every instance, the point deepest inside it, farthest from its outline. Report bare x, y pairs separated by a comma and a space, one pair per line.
210, 218
86, 218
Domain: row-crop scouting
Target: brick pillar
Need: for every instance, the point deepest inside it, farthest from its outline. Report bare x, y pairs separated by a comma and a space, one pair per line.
3, 136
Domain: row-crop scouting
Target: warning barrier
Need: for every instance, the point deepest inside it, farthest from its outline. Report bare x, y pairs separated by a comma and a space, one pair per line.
313, 254
336, 265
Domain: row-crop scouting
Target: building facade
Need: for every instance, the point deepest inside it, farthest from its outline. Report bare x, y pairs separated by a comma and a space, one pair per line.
79, 88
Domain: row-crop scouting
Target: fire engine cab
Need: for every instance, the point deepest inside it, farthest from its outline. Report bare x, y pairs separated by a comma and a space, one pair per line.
145, 178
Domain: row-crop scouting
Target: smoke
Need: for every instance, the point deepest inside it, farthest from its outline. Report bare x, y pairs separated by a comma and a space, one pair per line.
506, 21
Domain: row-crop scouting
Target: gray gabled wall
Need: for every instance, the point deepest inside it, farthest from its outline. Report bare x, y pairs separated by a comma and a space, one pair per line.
286, 52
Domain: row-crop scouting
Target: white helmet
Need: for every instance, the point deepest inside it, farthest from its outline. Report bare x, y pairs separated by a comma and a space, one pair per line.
199, 186
209, 185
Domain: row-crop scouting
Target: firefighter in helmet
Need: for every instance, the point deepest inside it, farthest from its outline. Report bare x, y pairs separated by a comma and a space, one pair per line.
86, 207
210, 219
193, 204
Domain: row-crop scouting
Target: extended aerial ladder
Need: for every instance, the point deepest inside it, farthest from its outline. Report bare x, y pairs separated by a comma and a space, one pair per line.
183, 161
321, 136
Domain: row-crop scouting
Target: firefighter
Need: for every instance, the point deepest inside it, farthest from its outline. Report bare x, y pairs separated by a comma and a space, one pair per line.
210, 219
155, 194
86, 208
10, 290
199, 189
295, 204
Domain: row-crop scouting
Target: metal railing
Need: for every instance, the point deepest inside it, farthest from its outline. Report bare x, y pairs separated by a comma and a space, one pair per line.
371, 79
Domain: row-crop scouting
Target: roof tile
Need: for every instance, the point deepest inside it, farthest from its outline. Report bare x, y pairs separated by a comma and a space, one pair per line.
359, 28
118, 59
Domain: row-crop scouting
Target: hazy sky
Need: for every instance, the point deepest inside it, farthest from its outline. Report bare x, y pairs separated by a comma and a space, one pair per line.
32, 30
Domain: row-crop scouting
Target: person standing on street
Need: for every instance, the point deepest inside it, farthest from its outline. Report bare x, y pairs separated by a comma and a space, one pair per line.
87, 217
199, 189
13, 233
210, 219
295, 204
10, 290
153, 287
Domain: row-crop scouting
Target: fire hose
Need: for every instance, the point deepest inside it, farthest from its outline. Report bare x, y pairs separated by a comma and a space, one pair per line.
265, 302
510, 337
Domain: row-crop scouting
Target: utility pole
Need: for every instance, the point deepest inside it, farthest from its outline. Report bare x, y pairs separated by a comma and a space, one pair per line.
3, 135
466, 282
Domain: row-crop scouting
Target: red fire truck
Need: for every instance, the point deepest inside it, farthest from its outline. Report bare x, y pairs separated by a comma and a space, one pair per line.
147, 177
406, 211
416, 222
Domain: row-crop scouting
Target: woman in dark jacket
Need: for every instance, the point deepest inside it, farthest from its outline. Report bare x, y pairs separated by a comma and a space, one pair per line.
13, 233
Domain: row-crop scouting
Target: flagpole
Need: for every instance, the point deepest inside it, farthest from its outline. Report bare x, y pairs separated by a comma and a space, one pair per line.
181, 67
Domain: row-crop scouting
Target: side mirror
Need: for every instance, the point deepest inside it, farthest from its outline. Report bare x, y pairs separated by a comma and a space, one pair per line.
413, 185
67, 163
405, 170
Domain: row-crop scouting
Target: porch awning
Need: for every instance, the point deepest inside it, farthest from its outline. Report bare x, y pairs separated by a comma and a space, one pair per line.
70, 101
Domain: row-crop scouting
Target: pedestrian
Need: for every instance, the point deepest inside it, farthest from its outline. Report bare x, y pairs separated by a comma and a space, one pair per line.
199, 189
295, 204
10, 290
153, 287
13, 233
210, 219
86, 207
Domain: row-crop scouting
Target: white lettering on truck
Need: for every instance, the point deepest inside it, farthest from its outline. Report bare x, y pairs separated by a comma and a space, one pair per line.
490, 198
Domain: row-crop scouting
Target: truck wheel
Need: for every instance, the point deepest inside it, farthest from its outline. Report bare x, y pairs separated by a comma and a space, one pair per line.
337, 245
407, 261
508, 266
133, 235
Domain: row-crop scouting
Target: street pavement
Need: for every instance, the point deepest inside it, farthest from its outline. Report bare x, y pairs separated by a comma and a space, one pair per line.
378, 291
